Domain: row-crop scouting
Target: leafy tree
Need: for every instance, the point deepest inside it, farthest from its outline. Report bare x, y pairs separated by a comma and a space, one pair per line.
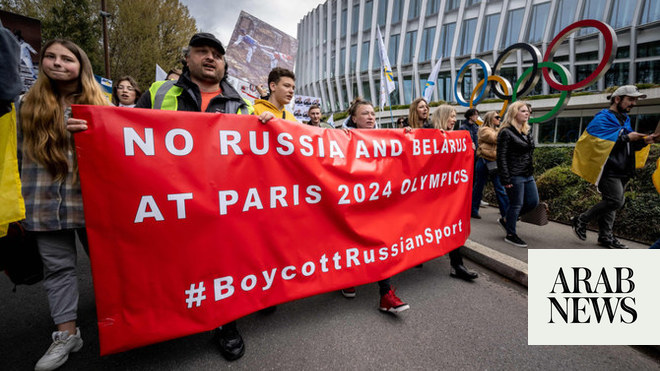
76, 20
145, 33
142, 33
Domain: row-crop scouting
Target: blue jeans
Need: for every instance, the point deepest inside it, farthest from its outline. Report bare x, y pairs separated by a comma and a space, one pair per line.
523, 197
481, 176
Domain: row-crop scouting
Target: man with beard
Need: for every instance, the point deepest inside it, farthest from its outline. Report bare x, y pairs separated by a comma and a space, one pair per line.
203, 87
605, 156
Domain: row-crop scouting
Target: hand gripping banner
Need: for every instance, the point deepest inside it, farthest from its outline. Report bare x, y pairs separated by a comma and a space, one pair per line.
197, 219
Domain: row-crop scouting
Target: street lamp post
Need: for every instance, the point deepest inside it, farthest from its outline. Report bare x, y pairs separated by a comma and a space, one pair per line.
105, 15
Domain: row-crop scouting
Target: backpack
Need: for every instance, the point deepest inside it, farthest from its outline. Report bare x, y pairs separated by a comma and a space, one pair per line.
19, 256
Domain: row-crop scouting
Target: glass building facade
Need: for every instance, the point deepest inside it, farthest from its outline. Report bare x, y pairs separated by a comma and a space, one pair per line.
338, 56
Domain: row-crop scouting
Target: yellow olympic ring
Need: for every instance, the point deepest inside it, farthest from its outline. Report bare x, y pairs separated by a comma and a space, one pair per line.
504, 83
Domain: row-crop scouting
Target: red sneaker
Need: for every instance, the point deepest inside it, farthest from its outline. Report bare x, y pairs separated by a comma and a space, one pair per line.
349, 292
391, 303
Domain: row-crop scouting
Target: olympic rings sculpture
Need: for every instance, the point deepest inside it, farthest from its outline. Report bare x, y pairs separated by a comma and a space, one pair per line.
502, 88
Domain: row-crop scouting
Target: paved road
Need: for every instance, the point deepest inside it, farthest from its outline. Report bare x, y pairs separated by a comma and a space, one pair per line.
451, 325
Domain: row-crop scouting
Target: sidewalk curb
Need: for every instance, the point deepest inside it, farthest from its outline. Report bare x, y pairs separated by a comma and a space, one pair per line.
503, 264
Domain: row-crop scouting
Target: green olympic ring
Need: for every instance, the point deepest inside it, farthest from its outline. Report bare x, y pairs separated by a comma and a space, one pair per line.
564, 97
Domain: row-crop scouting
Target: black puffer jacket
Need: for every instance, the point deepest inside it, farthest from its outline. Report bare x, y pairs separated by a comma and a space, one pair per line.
514, 154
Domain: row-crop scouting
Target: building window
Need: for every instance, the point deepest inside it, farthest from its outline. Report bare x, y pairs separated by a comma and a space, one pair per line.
342, 61
368, 13
651, 49
409, 47
616, 76
334, 24
488, 32
651, 11
648, 72
537, 23
546, 132
472, 2
332, 64
397, 11
583, 71
364, 59
467, 36
513, 27
452, 4
353, 57
355, 19
382, 12
446, 40
427, 44
646, 123
444, 87
566, 10
366, 91
407, 89
393, 48
413, 8
432, 7
568, 129
622, 12
344, 20
593, 9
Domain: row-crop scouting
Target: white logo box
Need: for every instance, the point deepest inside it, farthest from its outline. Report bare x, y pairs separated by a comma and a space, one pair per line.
640, 307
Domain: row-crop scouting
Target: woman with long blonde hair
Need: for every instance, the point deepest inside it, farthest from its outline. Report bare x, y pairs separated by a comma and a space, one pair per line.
50, 185
444, 118
418, 115
515, 148
485, 166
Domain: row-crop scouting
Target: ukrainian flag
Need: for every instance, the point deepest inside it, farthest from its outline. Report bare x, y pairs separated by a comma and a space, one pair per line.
11, 199
656, 176
595, 144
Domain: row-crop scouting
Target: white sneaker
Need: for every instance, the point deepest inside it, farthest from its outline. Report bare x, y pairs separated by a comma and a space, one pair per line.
58, 352
484, 204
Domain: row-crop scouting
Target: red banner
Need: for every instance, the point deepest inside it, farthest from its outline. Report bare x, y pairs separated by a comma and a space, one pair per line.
197, 219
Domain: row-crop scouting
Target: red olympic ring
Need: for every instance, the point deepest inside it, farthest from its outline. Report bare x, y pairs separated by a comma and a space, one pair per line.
611, 42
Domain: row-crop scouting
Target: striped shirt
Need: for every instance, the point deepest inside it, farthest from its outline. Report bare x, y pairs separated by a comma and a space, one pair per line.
50, 205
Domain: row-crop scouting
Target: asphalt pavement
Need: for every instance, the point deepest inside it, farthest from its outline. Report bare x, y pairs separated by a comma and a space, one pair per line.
452, 324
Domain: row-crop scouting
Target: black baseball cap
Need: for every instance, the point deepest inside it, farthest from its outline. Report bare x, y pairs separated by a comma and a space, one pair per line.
205, 38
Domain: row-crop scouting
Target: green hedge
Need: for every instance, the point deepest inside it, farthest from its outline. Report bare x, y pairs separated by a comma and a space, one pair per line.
567, 194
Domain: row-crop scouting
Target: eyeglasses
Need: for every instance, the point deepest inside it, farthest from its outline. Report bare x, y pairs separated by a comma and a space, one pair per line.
498, 118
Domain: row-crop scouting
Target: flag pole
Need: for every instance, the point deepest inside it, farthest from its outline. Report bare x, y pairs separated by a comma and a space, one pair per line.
390, 104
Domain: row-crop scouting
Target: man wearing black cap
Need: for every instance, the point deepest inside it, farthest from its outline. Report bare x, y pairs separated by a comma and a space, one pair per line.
605, 156
203, 87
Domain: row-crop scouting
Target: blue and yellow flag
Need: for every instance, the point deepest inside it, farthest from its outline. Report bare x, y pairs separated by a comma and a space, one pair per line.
11, 199
595, 144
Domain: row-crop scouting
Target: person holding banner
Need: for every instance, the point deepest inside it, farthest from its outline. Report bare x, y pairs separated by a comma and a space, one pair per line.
50, 183
202, 87
444, 118
485, 166
515, 148
126, 92
418, 115
361, 115
281, 84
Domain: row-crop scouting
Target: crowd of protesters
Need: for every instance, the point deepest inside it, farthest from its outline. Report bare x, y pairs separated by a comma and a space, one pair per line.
54, 209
